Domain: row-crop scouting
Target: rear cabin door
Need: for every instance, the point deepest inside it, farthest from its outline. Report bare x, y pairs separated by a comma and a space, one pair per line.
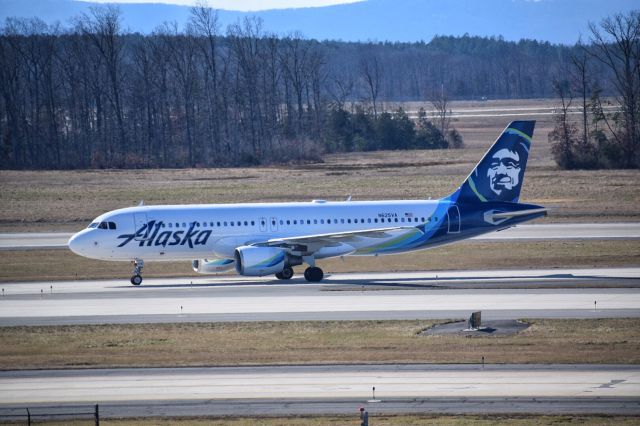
453, 217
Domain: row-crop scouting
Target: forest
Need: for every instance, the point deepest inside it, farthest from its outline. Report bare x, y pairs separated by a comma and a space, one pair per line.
90, 95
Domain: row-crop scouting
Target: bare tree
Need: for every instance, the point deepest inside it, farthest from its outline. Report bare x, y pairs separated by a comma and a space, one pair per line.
204, 21
440, 103
563, 136
103, 28
616, 43
371, 73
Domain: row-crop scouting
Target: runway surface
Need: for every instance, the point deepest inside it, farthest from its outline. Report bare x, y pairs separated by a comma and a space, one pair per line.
566, 231
331, 389
557, 293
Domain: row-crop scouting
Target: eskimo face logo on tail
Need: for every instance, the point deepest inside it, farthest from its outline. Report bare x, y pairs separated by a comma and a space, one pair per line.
504, 171
150, 235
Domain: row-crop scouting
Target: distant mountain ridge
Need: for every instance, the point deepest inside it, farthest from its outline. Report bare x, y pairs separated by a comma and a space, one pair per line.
556, 21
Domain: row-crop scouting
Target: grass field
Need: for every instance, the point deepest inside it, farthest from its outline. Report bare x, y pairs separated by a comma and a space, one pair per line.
614, 341
54, 265
377, 420
68, 200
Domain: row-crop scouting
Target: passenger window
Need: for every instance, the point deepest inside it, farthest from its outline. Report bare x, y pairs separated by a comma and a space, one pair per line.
396, 220
224, 223
184, 225
295, 222
341, 220
375, 220
281, 222
170, 225
246, 223
308, 222
288, 222
322, 221
369, 220
253, 223
315, 221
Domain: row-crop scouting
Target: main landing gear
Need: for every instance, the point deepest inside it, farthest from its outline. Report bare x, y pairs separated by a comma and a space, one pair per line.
286, 273
136, 279
312, 274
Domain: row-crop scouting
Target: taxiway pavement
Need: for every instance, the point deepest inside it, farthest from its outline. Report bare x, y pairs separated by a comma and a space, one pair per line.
506, 294
330, 389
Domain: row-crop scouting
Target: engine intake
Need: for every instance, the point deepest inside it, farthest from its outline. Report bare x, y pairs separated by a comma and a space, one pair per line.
259, 261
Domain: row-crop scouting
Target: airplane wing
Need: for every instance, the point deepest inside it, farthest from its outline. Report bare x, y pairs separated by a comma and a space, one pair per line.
313, 243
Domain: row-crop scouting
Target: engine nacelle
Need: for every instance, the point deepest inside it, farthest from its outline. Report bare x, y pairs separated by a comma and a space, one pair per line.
259, 261
212, 266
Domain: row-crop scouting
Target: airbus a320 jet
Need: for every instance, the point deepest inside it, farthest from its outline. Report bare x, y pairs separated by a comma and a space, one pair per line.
261, 239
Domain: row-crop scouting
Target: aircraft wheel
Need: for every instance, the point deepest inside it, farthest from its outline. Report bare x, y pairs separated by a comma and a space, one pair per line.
136, 280
279, 276
313, 274
287, 273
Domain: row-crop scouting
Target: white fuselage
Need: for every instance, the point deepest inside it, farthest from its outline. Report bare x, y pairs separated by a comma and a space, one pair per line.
179, 232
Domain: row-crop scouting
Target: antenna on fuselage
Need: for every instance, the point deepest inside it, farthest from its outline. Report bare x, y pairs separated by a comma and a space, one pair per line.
141, 203
348, 198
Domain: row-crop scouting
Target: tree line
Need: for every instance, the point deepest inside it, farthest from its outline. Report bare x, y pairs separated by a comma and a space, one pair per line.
92, 95
607, 131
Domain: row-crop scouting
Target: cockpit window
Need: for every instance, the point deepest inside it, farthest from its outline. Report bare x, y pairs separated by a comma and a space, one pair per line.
112, 225
103, 225
93, 225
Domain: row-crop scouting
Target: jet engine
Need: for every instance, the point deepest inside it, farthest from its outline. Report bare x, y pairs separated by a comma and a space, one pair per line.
212, 266
259, 261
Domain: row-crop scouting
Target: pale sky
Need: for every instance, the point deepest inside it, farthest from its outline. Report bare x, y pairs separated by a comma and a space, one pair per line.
242, 5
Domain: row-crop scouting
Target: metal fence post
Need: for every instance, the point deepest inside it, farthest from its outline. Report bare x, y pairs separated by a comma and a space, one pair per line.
28, 417
97, 416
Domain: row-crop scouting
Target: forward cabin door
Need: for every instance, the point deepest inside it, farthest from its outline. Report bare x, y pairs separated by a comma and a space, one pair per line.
140, 221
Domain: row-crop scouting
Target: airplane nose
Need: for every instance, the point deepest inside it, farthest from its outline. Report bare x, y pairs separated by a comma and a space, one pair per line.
77, 243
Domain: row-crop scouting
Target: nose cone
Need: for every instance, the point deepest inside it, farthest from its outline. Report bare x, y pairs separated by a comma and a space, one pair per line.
79, 243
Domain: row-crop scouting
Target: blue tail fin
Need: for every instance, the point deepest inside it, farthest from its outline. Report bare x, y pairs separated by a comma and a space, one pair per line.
499, 175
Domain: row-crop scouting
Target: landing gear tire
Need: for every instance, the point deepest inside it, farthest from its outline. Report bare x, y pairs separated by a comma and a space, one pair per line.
313, 274
286, 274
136, 278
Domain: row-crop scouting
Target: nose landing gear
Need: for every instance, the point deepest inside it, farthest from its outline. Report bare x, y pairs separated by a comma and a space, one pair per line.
136, 279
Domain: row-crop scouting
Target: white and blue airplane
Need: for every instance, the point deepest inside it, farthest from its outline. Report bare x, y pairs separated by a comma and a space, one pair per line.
260, 239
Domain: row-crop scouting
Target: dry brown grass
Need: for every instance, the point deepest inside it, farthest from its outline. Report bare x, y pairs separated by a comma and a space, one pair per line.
312, 342
374, 419
39, 265
68, 200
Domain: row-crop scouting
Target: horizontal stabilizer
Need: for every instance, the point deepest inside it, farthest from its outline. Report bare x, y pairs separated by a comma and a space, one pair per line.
508, 215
